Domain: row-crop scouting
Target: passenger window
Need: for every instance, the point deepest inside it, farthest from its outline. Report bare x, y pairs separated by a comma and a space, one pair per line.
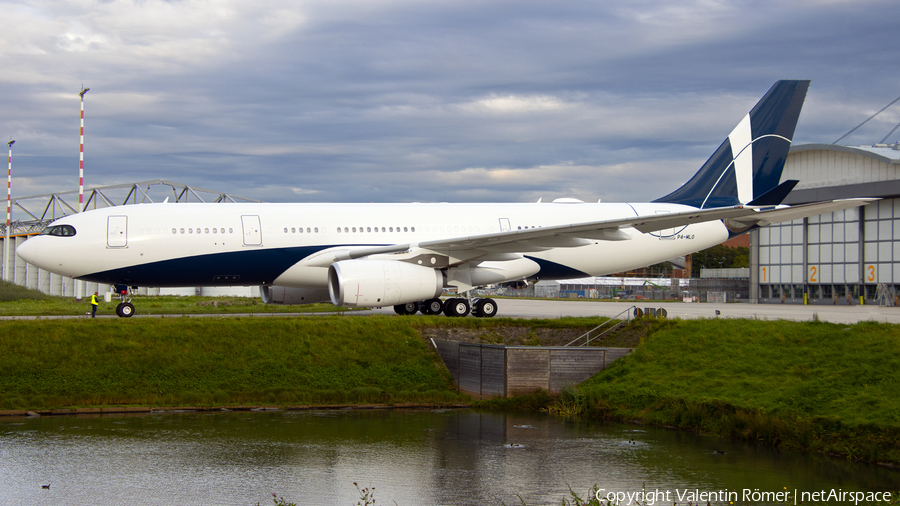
205, 230
182, 231
317, 230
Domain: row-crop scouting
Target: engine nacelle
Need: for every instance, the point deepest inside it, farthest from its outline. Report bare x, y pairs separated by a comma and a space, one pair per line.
379, 283
289, 295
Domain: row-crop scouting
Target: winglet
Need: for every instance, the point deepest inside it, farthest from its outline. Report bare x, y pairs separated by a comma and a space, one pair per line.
776, 195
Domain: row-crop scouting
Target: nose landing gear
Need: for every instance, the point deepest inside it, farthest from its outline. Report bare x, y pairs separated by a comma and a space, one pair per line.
125, 309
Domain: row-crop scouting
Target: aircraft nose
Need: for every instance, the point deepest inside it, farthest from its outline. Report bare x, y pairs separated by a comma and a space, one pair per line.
28, 251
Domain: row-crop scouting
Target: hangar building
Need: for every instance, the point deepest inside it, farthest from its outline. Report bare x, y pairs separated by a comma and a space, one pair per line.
846, 257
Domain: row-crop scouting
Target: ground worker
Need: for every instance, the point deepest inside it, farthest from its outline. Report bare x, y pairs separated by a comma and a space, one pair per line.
94, 304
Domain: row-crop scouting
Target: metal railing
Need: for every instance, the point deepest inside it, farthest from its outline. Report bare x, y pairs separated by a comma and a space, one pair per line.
587, 335
885, 295
44, 209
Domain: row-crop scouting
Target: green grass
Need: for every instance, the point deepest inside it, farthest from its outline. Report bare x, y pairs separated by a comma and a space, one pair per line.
60, 363
153, 305
825, 387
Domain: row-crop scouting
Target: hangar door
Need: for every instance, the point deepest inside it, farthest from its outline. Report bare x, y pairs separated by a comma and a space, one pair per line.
116, 233
252, 232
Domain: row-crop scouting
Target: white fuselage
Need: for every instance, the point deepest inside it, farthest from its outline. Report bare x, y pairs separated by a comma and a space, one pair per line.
249, 244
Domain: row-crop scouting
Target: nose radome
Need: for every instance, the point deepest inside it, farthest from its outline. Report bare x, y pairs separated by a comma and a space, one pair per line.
28, 251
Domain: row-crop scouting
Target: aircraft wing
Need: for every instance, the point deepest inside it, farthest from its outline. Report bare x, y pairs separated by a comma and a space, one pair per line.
580, 234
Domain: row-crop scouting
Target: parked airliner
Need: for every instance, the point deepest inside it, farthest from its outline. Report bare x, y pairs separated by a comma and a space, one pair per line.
404, 255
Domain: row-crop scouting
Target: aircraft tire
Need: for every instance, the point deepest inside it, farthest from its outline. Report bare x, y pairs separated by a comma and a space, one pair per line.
432, 306
485, 308
119, 310
456, 307
125, 310
406, 309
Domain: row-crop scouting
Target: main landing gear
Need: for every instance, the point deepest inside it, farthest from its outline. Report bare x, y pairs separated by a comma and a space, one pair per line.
125, 309
457, 306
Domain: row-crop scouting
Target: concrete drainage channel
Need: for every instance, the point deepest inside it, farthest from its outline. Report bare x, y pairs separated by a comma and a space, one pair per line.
485, 371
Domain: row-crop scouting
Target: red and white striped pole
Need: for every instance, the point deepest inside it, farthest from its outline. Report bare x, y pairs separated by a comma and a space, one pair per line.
8, 213
81, 154
9, 185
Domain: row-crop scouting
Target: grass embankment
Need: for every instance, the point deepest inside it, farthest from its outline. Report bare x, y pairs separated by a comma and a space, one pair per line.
177, 362
817, 386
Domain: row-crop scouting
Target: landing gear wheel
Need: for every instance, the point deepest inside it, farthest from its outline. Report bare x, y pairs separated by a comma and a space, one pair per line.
125, 310
485, 308
432, 306
406, 309
456, 307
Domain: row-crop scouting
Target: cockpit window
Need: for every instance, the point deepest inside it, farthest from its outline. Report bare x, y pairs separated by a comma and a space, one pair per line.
59, 230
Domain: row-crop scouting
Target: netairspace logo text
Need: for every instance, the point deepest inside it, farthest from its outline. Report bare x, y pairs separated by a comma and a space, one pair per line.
747, 495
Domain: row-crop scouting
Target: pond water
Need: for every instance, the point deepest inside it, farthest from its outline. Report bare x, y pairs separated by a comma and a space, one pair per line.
411, 457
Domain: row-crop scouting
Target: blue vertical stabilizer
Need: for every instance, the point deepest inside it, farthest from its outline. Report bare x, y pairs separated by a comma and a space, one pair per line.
748, 165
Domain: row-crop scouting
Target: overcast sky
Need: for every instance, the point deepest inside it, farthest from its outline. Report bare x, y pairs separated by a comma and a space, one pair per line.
398, 101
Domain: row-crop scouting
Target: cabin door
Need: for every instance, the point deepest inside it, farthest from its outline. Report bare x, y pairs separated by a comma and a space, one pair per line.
116, 231
252, 231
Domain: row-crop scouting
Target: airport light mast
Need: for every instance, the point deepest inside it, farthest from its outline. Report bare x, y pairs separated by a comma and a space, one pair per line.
81, 154
8, 209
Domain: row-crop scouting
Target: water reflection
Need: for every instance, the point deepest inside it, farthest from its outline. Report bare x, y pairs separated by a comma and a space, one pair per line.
411, 457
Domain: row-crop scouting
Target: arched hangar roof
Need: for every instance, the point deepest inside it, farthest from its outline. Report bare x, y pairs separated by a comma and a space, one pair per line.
827, 172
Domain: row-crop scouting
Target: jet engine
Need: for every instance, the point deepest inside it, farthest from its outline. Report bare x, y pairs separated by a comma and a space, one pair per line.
290, 295
379, 283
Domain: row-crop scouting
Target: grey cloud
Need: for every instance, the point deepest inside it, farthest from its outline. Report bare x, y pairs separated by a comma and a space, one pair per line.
408, 101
